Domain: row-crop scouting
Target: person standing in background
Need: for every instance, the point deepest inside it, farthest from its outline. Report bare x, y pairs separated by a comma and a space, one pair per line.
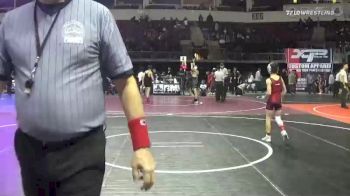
219, 85
195, 74
343, 79
292, 82
285, 78
169, 72
258, 76
212, 87
319, 84
309, 83
234, 81
147, 82
210, 81
225, 72
331, 81
140, 76
336, 85
182, 75
250, 81
227, 83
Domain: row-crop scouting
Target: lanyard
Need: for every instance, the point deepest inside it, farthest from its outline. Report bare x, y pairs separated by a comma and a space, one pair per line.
39, 48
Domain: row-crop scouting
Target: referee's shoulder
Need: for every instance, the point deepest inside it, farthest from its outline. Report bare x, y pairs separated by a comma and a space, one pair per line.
100, 8
19, 14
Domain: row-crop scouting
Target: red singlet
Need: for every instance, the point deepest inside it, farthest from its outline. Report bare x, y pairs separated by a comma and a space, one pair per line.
183, 67
275, 99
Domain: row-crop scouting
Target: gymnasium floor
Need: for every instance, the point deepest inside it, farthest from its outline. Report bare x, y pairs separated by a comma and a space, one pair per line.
214, 149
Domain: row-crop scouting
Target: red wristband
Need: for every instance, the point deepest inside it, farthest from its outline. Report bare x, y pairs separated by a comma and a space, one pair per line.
139, 133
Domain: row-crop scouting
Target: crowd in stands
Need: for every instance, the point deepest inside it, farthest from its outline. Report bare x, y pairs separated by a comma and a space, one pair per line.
144, 35
165, 35
275, 37
226, 5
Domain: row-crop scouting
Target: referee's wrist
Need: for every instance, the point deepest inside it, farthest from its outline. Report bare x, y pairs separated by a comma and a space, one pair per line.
139, 133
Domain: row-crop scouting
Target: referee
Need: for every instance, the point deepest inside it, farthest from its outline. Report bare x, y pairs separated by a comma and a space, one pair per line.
57, 49
343, 79
219, 77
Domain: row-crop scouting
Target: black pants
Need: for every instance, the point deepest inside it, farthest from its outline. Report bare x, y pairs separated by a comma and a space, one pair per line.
70, 168
182, 85
310, 88
292, 88
226, 86
344, 96
336, 87
219, 93
234, 88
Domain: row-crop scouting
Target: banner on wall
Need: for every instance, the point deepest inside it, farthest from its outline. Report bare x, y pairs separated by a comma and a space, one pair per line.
166, 89
313, 61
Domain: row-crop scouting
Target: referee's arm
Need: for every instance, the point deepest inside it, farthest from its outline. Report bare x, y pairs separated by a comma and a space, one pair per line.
117, 63
130, 97
5, 65
118, 66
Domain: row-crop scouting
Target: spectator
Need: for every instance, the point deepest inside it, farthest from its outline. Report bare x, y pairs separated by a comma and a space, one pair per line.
343, 78
292, 80
216, 27
203, 89
227, 81
225, 72
331, 81
285, 78
210, 81
140, 76
239, 89
169, 72
200, 19
155, 75
309, 83
182, 75
195, 75
258, 77
250, 81
336, 85
320, 84
234, 81
219, 85
147, 82
185, 22
210, 20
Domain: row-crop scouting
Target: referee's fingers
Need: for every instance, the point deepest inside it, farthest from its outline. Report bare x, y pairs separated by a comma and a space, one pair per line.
147, 181
135, 174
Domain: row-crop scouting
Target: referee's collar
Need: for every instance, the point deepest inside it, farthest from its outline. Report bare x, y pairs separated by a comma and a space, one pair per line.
52, 9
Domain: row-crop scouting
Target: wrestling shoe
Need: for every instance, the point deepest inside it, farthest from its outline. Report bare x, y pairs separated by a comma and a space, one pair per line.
284, 135
267, 138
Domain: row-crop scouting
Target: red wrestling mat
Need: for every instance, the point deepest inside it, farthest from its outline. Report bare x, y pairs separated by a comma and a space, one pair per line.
330, 111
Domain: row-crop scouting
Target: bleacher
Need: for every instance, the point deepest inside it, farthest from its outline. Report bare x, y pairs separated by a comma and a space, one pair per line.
143, 35
128, 4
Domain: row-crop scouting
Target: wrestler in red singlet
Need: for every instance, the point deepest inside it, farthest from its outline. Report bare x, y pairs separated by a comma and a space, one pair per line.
274, 101
275, 89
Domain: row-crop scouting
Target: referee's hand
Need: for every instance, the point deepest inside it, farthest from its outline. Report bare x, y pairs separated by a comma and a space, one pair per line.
143, 166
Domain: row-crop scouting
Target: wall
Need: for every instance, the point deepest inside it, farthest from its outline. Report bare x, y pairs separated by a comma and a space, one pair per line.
223, 16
